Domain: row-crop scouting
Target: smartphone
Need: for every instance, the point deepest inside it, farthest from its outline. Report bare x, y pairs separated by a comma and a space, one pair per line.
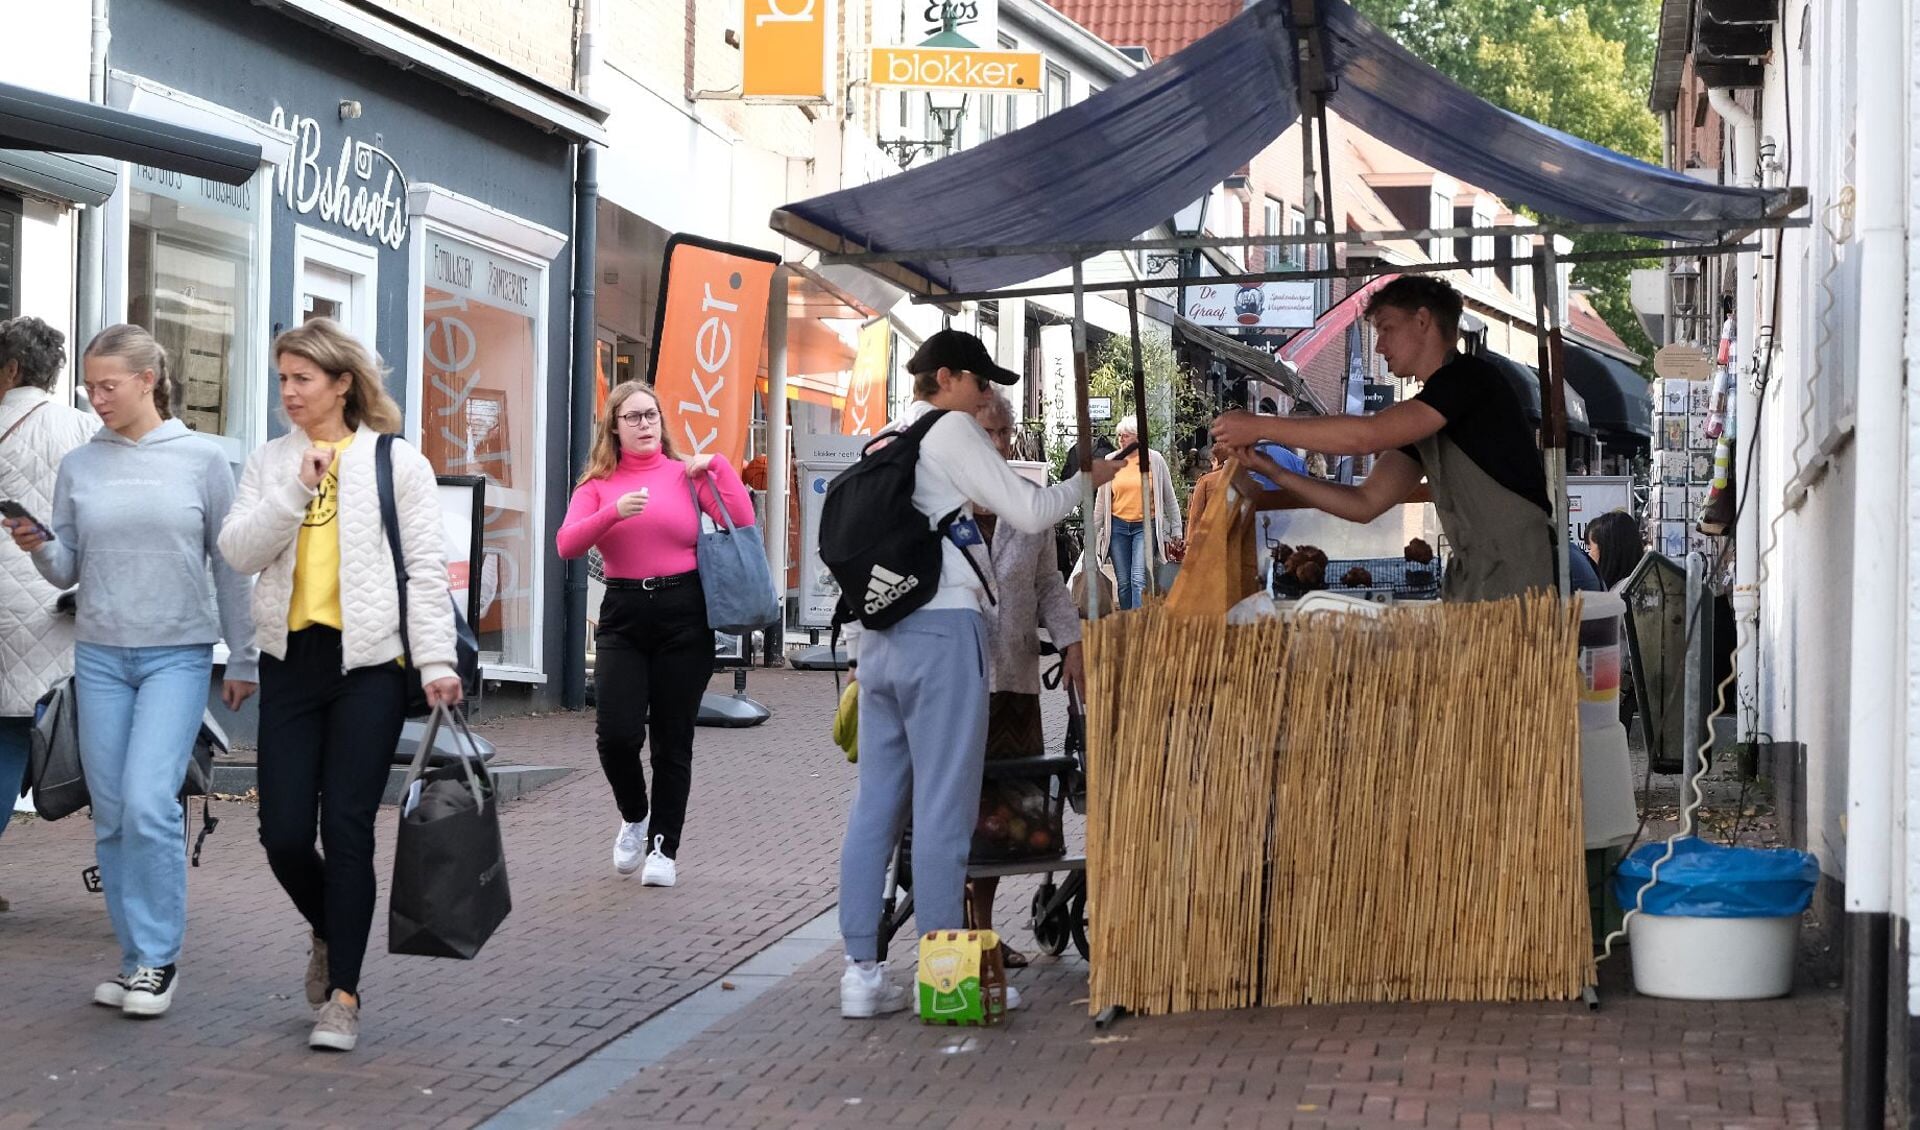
11, 509
1126, 452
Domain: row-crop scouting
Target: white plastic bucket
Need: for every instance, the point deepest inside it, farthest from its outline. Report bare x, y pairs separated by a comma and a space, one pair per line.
1713, 959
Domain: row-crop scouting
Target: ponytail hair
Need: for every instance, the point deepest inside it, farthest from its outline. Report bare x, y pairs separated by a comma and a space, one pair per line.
136, 347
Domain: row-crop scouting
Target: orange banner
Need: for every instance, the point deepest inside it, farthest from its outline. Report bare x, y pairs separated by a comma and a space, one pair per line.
866, 409
783, 50
706, 340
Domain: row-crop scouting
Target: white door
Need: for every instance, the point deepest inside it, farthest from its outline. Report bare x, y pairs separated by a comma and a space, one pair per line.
336, 278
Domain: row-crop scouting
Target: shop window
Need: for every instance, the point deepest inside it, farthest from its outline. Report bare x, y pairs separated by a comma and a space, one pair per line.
482, 363
192, 262
10, 216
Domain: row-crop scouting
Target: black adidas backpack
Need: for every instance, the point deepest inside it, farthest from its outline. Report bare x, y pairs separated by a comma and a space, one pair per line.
879, 548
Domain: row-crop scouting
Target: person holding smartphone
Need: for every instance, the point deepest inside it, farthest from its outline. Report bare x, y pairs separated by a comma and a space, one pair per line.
135, 515
36, 433
333, 688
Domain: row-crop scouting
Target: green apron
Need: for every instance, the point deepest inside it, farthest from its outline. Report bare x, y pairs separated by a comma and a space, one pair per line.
1502, 544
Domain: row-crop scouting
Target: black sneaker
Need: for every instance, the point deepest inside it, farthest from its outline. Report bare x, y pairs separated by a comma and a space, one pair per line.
150, 991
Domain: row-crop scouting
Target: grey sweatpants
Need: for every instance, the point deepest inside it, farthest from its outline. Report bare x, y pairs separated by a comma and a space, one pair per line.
923, 740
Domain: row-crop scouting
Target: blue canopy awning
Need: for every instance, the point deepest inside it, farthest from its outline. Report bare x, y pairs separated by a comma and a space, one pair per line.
1126, 159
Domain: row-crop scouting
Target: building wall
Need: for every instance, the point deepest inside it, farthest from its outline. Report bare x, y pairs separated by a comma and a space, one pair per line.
255, 61
50, 54
533, 37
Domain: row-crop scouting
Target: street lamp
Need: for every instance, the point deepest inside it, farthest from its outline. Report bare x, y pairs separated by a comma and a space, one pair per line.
1187, 223
947, 109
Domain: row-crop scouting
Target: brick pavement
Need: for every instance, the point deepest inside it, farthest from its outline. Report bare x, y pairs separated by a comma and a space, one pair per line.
1638, 1064
583, 958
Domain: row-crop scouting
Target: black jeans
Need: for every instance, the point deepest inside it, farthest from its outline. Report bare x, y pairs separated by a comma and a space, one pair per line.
327, 739
653, 657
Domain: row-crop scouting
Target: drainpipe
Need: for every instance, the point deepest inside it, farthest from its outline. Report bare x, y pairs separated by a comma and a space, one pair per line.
1876, 715
89, 292
585, 375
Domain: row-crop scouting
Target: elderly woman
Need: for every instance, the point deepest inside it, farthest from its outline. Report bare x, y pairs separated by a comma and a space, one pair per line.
1119, 517
1030, 594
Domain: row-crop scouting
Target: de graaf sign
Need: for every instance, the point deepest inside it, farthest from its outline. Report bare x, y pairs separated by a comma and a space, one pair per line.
783, 50
954, 68
1269, 305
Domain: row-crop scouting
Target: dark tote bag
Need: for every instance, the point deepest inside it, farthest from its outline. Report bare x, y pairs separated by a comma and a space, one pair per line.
449, 868
734, 575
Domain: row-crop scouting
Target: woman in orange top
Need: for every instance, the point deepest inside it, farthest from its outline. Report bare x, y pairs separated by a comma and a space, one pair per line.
1119, 518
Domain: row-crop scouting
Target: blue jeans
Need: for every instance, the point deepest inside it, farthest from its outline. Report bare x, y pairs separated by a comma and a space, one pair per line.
923, 742
1127, 545
139, 712
13, 763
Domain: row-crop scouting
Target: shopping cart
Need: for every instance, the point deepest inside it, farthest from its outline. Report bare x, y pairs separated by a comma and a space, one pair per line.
1059, 907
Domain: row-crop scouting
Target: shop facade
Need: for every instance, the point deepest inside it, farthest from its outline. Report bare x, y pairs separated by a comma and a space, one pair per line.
432, 225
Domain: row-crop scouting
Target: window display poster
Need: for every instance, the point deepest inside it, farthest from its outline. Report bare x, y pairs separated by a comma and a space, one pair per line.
480, 373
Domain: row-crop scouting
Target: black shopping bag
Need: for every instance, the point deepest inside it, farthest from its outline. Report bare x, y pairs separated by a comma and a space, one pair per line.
449, 870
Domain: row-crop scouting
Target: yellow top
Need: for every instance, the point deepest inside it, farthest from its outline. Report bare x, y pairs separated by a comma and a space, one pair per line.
1126, 492
316, 562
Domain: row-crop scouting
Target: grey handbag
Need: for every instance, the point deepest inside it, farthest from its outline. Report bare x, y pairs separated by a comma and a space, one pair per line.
733, 571
53, 754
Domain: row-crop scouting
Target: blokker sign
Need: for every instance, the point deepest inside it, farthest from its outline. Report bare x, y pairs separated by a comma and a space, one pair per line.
949, 68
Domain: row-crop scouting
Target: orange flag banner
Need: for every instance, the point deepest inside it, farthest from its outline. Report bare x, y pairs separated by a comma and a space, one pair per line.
866, 409
706, 342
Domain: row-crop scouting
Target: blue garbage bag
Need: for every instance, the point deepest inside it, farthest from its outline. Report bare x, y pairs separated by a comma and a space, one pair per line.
1705, 880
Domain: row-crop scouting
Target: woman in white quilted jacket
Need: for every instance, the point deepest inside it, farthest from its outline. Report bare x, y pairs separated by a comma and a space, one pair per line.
333, 665
36, 432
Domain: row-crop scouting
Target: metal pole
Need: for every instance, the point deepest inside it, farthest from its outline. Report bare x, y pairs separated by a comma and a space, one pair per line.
1553, 407
1694, 690
586, 385
1140, 414
1356, 270
1084, 414
777, 449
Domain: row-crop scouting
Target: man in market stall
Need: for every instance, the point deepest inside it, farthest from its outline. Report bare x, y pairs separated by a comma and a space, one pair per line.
1465, 432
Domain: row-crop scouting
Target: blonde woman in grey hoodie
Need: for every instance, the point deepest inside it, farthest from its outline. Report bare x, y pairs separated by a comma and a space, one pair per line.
136, 515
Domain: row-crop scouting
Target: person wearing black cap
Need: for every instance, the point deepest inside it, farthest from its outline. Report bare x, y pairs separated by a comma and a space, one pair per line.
923, 681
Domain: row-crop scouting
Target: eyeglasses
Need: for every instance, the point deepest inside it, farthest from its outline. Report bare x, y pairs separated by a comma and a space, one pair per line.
635, 419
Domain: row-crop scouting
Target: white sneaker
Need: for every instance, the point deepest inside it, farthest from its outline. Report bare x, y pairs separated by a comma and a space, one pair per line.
111, 994
150, 991
660, 870
865, 991
628, 846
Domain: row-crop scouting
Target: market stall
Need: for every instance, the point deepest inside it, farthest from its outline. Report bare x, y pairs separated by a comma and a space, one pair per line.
1268, 799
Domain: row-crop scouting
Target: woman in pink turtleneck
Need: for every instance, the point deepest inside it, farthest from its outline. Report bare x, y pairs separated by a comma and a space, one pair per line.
653, 649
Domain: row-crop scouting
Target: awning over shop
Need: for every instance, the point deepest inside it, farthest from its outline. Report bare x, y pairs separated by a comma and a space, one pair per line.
47, 123
1250, 362
1132, 155
56, 176
1618, 399
1525, 382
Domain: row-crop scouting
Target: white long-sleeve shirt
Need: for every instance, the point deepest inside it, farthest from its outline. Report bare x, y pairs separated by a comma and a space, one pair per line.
959, 467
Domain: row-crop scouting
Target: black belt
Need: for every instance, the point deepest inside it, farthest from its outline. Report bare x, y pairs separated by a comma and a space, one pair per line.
652, 584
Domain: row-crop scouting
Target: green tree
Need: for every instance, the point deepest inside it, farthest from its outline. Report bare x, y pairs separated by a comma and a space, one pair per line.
1176, 408
1581, 67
